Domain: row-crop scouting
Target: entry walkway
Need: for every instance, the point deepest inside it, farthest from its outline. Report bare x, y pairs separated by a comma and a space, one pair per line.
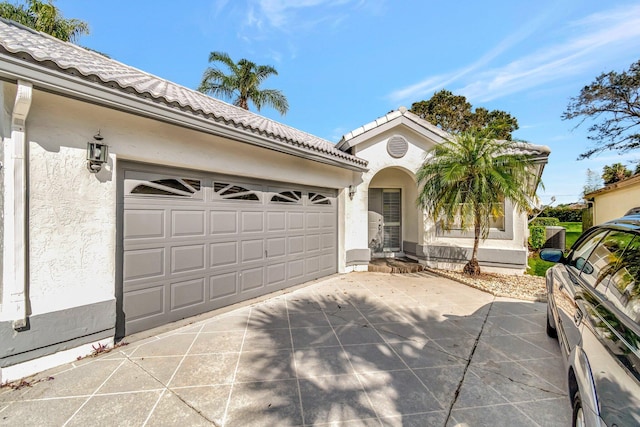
363, 349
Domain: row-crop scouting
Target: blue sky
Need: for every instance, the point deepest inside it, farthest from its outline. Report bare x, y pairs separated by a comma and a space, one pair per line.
343, 63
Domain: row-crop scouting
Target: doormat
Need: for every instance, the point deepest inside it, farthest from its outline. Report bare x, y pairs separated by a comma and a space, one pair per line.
394, 265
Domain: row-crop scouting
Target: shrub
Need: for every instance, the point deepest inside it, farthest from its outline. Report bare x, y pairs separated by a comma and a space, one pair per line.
564, 214
545, 221
537, 236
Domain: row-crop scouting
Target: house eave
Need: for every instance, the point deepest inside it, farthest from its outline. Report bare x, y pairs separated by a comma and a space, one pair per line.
614, 186
366, 135
73, 86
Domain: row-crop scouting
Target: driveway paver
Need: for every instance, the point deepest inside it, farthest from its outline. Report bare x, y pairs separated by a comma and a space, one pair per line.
363, 349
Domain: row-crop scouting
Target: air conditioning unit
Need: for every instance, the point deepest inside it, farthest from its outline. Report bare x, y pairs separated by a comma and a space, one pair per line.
555, 237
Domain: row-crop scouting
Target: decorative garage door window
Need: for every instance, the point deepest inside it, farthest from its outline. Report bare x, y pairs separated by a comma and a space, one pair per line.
318, 199
181, 187
288, 197
234, 192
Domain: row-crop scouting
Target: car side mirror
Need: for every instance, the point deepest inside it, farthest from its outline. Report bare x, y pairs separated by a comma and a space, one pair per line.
552, 255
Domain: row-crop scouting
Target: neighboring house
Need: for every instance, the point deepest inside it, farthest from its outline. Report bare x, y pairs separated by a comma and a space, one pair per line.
614, 200
200, 204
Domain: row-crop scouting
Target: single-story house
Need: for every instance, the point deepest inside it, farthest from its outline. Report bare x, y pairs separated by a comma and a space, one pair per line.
614, 200
197, 204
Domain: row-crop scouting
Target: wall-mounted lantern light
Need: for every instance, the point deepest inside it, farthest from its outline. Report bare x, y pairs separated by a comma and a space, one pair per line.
352, 191
97, 153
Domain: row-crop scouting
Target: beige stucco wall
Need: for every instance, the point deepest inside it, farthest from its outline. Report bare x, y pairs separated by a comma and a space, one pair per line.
72, 213
616, 202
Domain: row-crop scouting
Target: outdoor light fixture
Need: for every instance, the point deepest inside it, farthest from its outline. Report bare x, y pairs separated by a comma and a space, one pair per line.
352, 191
97, 153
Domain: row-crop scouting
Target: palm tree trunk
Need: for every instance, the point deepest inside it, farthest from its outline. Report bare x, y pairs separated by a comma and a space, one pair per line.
472, 268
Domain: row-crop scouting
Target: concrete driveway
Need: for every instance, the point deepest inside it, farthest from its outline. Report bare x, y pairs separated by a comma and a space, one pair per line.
363, 349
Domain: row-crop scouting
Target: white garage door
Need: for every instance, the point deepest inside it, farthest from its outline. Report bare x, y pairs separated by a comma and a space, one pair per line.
195, 242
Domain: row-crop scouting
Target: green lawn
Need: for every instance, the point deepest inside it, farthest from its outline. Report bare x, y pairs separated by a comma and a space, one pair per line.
538, 267
574, 230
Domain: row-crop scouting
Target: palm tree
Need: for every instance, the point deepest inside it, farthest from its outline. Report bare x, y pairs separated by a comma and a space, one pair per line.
45, 17
614, 173
242, 83
466, 179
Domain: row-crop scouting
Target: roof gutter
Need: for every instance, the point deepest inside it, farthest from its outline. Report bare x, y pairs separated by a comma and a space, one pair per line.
114, 97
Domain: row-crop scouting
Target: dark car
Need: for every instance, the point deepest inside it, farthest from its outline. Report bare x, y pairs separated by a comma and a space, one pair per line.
594, 310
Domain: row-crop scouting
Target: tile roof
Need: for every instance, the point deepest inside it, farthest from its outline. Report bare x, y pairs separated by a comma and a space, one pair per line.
631, 181
39, 48
401, 112
539, 151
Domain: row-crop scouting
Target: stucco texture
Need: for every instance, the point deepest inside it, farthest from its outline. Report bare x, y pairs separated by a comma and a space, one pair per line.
616, 202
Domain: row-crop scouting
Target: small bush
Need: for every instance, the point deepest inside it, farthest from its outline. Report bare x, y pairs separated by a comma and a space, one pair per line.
545, 221
564, 214
537, 236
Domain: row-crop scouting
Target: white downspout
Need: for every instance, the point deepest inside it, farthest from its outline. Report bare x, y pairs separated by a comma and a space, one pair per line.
14, 294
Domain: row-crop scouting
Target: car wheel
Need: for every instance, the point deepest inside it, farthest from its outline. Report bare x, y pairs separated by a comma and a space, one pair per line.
578, 412
551, 331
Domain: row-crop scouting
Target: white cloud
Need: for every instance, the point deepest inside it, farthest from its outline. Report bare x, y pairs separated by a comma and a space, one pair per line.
601, 35
282, 12
218, 5
434, 83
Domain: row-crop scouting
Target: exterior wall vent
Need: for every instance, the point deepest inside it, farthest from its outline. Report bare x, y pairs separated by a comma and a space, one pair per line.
397, 146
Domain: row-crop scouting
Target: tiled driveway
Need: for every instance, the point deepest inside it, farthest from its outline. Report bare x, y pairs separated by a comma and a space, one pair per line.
364, 349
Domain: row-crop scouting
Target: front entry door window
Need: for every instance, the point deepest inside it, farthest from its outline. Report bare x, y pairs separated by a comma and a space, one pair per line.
385, 219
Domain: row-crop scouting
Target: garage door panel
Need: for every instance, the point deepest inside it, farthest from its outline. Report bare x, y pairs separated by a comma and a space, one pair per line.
276, 273
328, 241
295, 269
224, 222
224, 253
187, 223
295, 221
312, 266
187, 258
144, 303
252, 222
252, 250
296, 245
276, 247
312, 243
143, 264
313, 220
327, 262
214, 242
187, 294
276, 222
144, 224
251, 279
223, 285
328, 220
